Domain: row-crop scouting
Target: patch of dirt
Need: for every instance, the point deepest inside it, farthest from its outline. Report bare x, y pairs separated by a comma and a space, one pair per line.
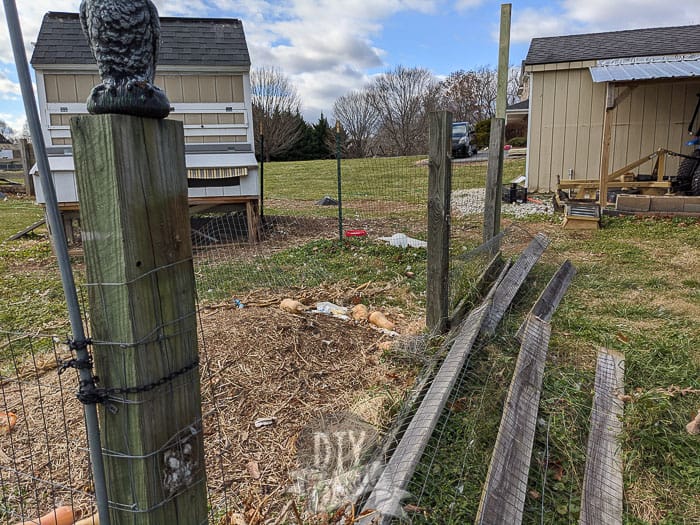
256, 362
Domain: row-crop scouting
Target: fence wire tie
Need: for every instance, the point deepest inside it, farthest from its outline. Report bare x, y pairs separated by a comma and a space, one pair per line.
89, 394
77, 363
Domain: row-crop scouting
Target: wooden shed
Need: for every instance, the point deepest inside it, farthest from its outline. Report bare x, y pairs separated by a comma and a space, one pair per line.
204, 68
598, 102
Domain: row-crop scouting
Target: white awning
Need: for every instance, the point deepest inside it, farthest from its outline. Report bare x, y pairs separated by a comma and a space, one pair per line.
646, 68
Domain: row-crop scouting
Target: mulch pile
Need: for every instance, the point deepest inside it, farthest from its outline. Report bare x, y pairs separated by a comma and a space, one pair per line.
257, 362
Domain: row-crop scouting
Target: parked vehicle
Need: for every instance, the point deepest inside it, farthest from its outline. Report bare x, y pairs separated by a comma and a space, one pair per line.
688, 178
463, 140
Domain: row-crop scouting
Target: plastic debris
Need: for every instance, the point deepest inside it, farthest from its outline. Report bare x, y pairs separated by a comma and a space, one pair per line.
238, 303
402, 240
265, 422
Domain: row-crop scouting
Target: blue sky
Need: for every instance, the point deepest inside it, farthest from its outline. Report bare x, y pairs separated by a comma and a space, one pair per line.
329, 47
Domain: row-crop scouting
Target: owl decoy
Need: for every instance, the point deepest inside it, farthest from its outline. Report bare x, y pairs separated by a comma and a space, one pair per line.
124, 36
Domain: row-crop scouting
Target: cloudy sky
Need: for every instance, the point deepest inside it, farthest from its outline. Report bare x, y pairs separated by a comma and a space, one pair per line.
329, 47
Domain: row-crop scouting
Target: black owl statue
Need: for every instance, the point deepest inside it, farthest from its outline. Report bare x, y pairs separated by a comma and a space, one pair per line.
124, 36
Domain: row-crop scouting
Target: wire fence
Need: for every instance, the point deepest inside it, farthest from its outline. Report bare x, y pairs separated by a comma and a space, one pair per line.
267, 376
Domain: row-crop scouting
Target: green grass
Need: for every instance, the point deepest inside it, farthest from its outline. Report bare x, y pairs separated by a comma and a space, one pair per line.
637, 291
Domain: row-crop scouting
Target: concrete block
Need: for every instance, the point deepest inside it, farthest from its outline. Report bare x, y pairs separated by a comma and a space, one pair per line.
633, 203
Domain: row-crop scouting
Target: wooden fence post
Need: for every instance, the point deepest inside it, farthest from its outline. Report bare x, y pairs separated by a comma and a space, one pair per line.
27, 162
439, 193
132, 188
494, 181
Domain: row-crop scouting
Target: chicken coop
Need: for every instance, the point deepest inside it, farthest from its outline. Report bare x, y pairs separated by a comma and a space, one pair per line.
204, 68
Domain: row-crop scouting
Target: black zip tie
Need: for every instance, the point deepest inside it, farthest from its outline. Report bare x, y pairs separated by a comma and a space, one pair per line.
78, 364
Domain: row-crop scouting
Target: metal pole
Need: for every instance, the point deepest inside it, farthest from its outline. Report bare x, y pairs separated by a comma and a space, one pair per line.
262, 172
340, 190
53, 217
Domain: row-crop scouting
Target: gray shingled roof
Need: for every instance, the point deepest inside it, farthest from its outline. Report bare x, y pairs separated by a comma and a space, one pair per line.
184, 42
615, 44
523, 104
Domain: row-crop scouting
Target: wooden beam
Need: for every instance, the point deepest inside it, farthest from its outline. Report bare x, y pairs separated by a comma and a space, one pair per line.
605, 155
494, 181
439, 197
551, 296
27, 230
601, 501
136, 234
503, 496
503, 62
515, 277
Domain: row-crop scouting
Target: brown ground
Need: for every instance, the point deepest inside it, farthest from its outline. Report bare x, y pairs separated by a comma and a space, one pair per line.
257, 362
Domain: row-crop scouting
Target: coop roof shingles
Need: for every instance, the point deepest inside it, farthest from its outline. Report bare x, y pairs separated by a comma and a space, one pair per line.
615, 44
184, 42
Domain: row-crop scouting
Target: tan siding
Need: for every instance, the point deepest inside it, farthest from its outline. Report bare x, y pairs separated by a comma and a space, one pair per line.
620, 131
66, 88
83, 84
173, 88
583, 135
207, 88
238, 95
636, 121
210, 119
571, 123
224, 89
193, 140
595, 142
535, 133
193, 119
548, 103
51, 88
61, 119
561, 80
61, 142
190, 88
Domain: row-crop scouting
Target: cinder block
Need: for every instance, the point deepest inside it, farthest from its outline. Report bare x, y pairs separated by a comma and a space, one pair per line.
633, 202
666, 204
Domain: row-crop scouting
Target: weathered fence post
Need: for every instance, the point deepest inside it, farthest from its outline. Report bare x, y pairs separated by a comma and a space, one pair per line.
27, 161
494, 181
135, 228
439, 193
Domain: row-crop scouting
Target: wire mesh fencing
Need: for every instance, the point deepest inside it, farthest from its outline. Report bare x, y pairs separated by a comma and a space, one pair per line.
44, 458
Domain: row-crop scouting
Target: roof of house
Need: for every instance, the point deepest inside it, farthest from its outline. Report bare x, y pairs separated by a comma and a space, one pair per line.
519, 106
4, 140
615, 44
184, 42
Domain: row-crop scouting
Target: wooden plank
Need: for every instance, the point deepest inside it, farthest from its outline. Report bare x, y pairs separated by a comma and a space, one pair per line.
133, 207
494, 181
503, 62
601, 501
605, 151
551, 296
207, 88
27, 230
503, 496
515, 277
439, 193
27, 152
385, 499
490, 272
224, 89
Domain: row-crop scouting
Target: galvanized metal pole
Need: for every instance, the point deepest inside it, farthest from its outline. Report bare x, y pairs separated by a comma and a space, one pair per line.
340, 190
53, 217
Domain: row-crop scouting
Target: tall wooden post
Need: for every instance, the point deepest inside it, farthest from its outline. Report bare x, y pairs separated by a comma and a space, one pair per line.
439, 194
494, 181
132, 188
494, 173
27, 162
605, 149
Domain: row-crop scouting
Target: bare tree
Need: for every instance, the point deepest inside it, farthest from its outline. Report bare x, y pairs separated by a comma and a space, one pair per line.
514, 83
276, 106
359, 119
402, 97
6, 132
470, 95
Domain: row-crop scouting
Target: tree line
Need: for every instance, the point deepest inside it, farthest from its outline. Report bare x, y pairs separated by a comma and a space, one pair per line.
387, 117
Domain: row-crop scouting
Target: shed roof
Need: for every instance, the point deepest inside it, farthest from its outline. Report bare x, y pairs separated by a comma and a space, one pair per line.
184, 42
615, 44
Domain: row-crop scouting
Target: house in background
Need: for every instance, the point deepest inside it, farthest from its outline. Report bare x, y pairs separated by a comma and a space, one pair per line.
638, 88
204, 68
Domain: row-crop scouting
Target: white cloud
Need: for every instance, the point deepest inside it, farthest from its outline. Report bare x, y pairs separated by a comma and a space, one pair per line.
14, 121
576, 16
463, 5
9, 90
